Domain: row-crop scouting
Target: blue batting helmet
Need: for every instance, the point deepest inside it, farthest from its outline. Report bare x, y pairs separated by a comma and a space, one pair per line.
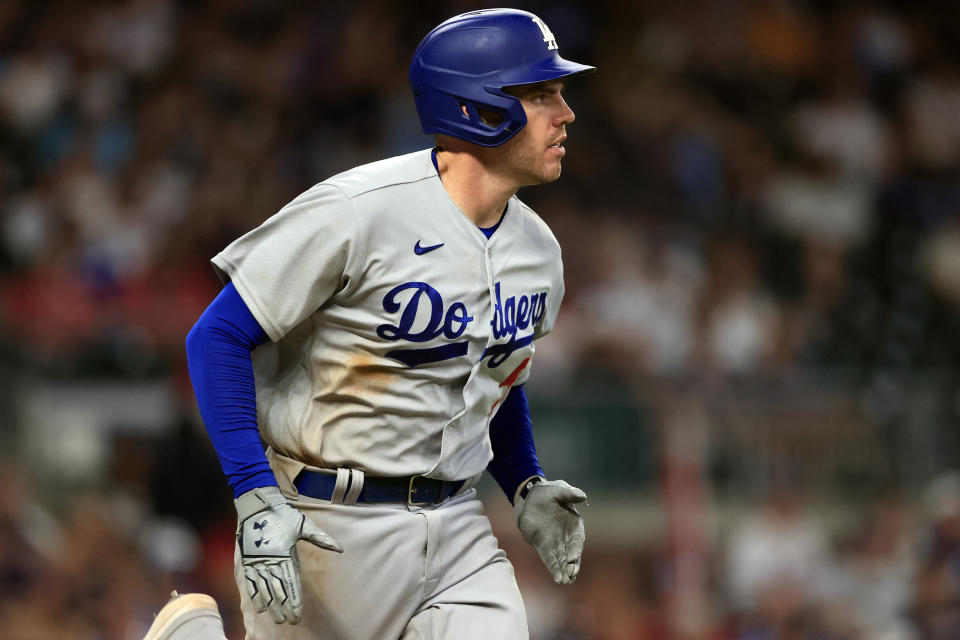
464, 64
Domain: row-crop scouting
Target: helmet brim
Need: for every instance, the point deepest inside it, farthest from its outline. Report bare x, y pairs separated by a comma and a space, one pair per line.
554, 69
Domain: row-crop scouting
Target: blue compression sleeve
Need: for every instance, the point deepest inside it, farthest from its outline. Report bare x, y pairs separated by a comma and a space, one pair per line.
511, 436
221, 369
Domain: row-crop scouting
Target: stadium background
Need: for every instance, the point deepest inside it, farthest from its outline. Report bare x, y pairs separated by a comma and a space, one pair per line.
753, 375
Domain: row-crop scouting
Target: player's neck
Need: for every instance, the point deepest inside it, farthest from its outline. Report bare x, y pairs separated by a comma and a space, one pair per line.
480, 193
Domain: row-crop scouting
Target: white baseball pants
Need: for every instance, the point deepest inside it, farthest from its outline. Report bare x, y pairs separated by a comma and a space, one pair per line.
407, 572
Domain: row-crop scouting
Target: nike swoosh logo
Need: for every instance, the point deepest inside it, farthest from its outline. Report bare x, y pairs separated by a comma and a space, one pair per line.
417, 249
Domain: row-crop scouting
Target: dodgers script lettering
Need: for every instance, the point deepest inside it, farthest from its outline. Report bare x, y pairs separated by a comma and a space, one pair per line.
516, 313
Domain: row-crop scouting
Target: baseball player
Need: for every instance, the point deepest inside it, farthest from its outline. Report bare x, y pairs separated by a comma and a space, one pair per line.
376, 333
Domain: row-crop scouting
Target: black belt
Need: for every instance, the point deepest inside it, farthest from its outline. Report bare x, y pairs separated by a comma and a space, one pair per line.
411, 489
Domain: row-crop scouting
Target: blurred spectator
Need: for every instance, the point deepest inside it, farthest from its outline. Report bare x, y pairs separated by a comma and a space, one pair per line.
645, 301
776, 558
870, 590
740, 322
937, 606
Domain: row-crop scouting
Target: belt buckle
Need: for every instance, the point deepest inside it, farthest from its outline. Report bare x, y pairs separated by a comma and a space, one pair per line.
410, 494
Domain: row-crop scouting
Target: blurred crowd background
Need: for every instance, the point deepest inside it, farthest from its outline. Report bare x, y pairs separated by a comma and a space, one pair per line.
753, 374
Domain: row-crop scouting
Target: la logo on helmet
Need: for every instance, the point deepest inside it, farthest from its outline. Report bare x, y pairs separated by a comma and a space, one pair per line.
548, 36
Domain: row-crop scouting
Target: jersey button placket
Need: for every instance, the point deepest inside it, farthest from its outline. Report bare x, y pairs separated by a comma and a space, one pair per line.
491, 286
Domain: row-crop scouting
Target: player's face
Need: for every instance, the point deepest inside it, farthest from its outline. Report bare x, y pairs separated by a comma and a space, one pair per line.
534, 155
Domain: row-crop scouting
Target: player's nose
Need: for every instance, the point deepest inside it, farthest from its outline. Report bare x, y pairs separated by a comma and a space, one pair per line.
565, 115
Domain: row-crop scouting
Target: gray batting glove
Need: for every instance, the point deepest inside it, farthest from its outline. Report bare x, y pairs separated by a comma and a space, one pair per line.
550, 523
267, 534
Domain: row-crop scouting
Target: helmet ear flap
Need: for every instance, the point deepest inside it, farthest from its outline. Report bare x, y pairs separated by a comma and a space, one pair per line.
489, 123
482, 115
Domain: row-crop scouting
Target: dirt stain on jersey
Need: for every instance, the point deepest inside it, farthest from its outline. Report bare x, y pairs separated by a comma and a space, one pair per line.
365, 375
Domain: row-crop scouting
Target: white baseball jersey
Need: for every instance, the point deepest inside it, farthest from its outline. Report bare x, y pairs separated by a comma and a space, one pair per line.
397, 327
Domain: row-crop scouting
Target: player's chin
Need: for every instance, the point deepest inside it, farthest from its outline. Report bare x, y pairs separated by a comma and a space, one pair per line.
542, 174
553, 172
550, 170
541, 178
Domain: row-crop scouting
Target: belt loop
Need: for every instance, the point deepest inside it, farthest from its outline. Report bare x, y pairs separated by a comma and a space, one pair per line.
356, 486
341, 486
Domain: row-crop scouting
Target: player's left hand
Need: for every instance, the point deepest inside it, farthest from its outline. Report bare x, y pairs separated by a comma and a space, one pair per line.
267, 535
550, 523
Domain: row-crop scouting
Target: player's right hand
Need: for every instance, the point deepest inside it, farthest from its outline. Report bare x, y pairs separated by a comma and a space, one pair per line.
267, 535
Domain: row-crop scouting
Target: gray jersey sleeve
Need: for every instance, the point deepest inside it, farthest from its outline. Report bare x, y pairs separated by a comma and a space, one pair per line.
549, 245
296, 260
554, 298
